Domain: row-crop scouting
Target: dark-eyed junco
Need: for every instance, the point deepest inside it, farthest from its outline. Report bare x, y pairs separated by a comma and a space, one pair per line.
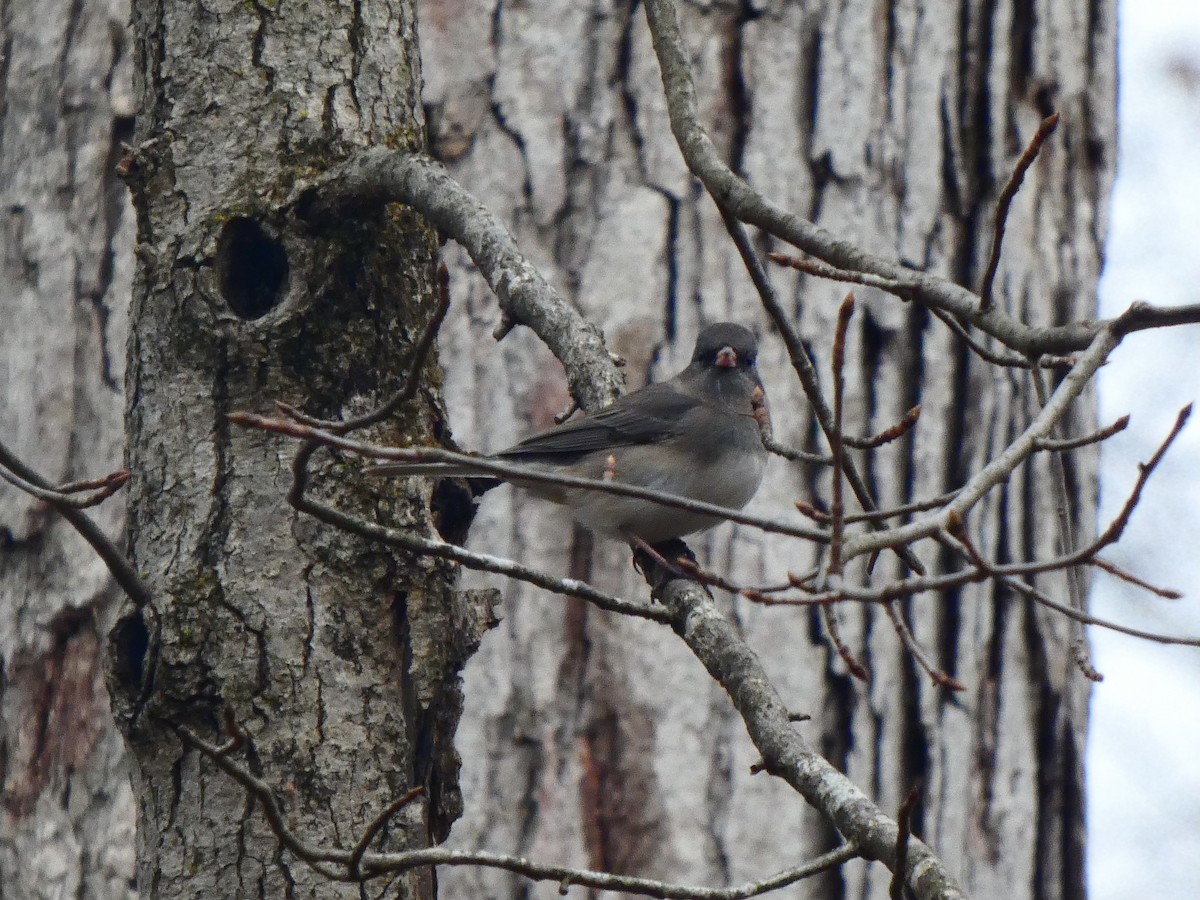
695, 435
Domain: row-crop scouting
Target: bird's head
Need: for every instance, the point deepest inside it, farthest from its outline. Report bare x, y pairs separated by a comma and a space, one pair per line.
726, 355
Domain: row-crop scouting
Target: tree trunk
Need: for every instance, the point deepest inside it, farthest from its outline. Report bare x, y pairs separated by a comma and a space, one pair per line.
591, 739
67, 817
339, 658
597, 740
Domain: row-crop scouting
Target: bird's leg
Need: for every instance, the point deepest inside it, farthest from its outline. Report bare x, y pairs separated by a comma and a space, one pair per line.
654, 562
648, 550
676, 558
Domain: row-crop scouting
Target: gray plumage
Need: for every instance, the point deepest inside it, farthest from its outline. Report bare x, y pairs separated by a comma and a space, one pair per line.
694, 436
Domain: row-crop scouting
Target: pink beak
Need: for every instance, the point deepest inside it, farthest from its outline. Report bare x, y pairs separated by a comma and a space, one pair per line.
727, 358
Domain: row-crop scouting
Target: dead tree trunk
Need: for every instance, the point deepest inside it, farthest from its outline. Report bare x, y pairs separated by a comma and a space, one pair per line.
599, 740
66, 103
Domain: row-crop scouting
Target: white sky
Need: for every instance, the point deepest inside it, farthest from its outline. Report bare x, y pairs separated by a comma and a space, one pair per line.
1144, 749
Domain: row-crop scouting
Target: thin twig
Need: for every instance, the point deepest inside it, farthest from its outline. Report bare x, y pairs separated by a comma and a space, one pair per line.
337, 864
910, 642
822, 518
368, 835
412, 381
837, 510
904, 823
67, 495
803, 366
122, 572
518, 472
793, 455
833, 273
1102, 434
1045, 129
1117, 572
894, 432
1004, 359
857, 669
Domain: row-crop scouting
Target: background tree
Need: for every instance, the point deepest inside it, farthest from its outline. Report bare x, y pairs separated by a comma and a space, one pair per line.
861, 167
895, 126
66, 267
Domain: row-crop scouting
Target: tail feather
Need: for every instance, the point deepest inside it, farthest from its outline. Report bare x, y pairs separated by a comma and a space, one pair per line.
477, 481
409, 470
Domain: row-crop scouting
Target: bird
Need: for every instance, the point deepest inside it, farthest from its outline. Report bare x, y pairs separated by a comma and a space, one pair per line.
695, 435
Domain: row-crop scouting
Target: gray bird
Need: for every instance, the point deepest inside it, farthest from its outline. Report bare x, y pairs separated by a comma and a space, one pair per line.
695, 435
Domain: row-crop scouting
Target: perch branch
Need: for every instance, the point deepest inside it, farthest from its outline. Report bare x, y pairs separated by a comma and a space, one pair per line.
730, 661
519, 472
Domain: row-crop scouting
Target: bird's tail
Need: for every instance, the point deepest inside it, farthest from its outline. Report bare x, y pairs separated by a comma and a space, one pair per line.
409, 470
479, 482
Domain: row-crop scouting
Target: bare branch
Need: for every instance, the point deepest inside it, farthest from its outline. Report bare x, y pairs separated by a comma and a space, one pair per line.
1095, 437
999, 469
1066, 537
793, 455
1086, 555
857, 669
802, 364
1088, 619
904, 821
519, 472
378, 176
1117, 572
1117, 527
364, 842
1045, 129
122, 572
824, 270
1007, 360
822, 518
727, 658
68, 495
894, 433
742, 201
360, 866
913, 646
837, 512
1142, 316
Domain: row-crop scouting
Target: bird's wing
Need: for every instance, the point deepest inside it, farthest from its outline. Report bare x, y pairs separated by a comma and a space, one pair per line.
648, 416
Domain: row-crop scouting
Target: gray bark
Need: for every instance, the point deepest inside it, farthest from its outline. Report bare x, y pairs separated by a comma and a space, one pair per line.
591, 739
339, 658
66, 820
600, 741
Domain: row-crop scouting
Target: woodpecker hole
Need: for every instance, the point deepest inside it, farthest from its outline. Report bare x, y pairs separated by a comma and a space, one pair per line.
252, 268
129, 643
